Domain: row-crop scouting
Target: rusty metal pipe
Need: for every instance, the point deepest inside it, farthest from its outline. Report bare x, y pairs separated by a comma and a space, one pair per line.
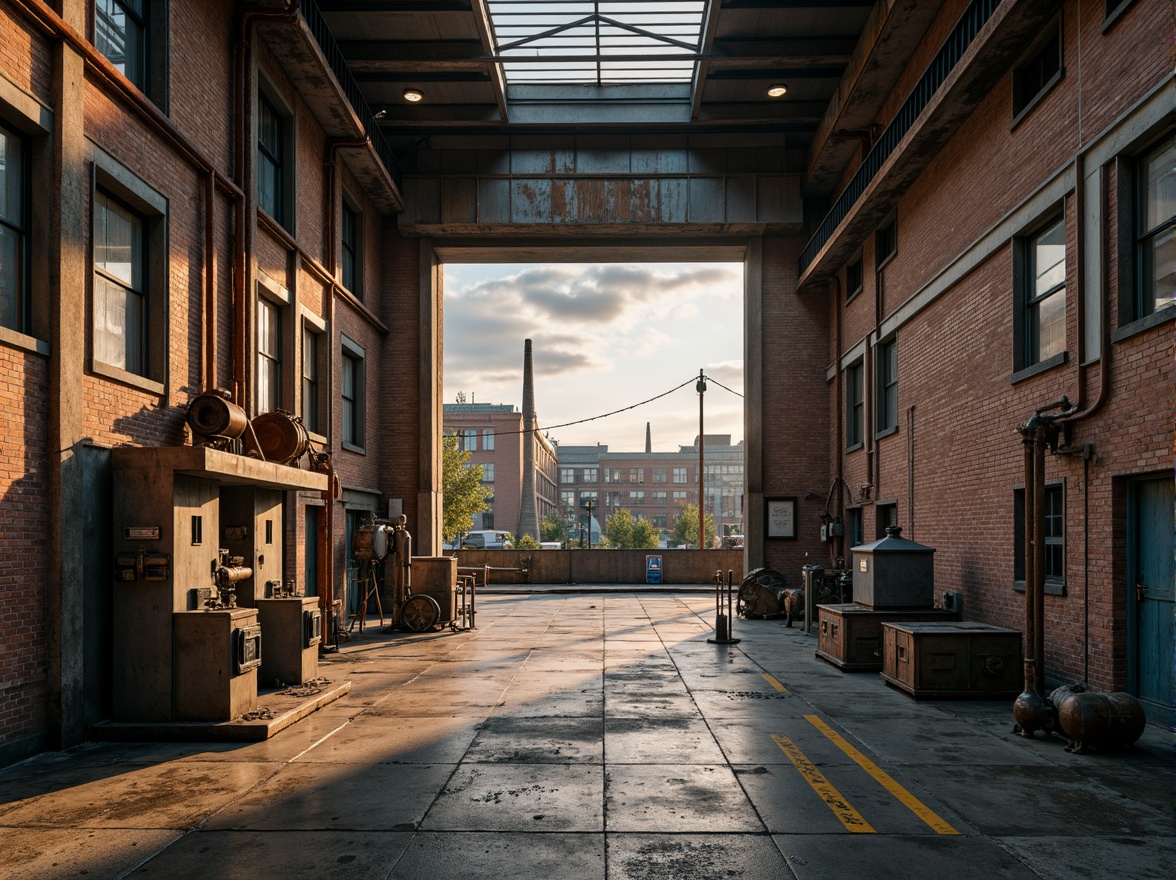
1040, 439
210, 305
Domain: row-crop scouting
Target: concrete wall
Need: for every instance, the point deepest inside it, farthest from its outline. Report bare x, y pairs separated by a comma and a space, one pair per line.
601, 566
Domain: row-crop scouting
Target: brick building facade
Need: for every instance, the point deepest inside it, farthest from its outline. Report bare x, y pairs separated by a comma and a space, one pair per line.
493, 435
973, 219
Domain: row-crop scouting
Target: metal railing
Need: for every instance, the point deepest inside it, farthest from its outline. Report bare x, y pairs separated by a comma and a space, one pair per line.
330, 49
945, 60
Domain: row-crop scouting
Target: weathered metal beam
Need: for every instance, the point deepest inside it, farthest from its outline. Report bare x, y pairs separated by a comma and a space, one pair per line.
406, 6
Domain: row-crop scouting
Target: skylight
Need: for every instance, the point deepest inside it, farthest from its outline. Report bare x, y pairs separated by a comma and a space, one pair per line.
603, 43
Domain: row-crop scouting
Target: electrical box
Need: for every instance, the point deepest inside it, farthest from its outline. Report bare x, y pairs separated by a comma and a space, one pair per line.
247, 648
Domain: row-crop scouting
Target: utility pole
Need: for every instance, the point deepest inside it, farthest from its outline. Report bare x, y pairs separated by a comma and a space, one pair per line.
701, 388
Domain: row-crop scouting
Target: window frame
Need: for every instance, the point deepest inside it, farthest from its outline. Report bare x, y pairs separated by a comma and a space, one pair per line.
1051, 41
316, 328
1144, 306
115, 180
353, 248
487, 439
854, 279
886, 372
885, 244
487, 472
855, 405
286, 208
20, 230
1027, 360
679, 476
353, 427
1055, 583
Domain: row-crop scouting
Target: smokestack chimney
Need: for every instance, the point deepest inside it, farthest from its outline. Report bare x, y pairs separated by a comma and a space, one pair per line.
528, 508
648, 440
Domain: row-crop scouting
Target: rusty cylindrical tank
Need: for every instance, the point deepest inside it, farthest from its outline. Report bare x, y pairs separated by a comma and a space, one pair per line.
1114, 720
212, 415
280, 435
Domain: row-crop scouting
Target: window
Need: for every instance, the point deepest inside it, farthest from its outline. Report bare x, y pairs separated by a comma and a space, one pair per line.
488, 472
612, 475
120, 33
1044, 292
310, 381
354, 394
660, 497
679, 497
1055, 539
885, 244
352, 263
567, 499
887, 420
636, 475
854, 407
589, 476
1156, 238
567, 475
1033, 79
885, 515
637, 497
269, 356
853, 527
488, 439
120, 292
679, 476
14, 282
853, 279
271, 158
659, 475
612, 499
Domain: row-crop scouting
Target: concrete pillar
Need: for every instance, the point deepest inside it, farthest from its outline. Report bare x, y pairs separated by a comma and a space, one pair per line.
428, 534
753, 390
67, 336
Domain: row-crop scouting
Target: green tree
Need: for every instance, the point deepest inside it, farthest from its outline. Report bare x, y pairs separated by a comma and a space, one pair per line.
527, 542
553, 527
625, 531
686, 527
463, 494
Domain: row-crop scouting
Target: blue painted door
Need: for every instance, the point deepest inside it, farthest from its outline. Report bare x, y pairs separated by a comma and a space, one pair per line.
1151, 542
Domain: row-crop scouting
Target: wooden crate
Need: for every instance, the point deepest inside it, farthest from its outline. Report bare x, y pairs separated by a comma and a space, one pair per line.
957, 659
850, 635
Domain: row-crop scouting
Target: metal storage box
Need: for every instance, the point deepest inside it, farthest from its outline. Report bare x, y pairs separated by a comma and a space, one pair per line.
958, 659
893, 572
850, 636
436, 576
289, 657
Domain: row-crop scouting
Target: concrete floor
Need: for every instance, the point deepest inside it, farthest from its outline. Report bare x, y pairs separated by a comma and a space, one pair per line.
594, 736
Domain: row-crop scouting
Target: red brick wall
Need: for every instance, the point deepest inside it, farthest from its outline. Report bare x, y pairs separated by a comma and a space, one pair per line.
24, 515
956, 358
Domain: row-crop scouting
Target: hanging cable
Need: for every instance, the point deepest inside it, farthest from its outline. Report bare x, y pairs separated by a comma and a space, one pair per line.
721, 385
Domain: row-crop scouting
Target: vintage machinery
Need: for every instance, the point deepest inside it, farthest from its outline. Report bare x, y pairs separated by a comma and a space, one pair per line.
761, 594
277, 436
226, 574
893, 572
215, 419
180, 582
387, 546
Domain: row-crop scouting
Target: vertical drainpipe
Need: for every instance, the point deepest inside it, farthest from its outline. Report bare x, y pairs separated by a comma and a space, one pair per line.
210, 309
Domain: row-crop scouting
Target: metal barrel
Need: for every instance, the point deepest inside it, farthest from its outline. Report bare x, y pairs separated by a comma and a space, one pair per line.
211, 415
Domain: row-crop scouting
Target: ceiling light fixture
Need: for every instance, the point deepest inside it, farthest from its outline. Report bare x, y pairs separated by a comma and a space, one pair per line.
778, 90
380, 114
414, 96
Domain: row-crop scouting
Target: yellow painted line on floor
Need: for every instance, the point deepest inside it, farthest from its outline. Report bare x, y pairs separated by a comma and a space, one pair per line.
907, 799
772, 681
836, 802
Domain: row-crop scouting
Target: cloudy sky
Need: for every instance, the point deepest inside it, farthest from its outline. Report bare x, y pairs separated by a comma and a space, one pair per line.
604, 337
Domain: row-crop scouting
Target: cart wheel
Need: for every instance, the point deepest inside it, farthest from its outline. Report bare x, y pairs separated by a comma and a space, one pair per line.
421, 613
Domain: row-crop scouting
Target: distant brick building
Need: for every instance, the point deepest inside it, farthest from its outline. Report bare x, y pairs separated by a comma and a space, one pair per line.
493, 435
654, 485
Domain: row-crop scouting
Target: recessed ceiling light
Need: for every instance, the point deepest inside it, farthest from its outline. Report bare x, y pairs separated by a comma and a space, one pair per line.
777, 90
414, 96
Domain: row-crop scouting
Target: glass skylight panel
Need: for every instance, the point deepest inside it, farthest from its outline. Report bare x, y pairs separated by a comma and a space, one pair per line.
579, 42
